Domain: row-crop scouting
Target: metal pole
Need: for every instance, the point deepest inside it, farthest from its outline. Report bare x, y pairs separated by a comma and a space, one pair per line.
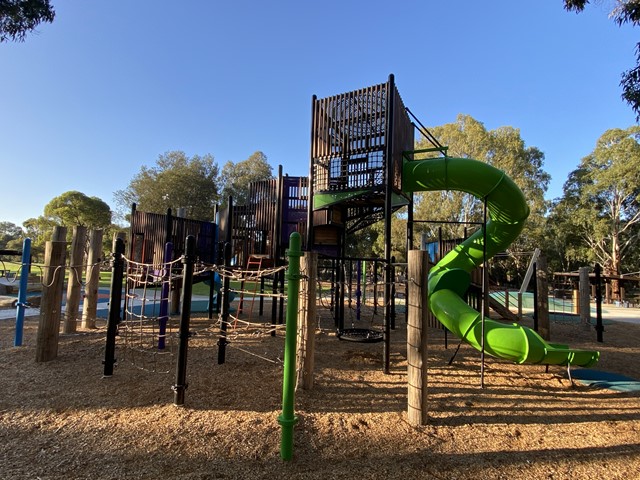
227, 250
393, 294
484, 289
22, 293
164, 295
117, 274
288, 419
388, 213
188, 262
535, 297
358, 289
599, 325
224, 315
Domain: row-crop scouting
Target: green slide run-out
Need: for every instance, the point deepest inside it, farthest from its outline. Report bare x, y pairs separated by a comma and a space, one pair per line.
449, 279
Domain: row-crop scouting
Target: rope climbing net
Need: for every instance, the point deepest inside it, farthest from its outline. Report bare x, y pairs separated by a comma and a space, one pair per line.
149, 330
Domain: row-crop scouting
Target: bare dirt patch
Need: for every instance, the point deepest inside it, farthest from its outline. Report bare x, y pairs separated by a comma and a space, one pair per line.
61, 419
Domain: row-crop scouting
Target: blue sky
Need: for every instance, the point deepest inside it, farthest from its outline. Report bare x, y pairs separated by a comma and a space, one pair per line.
110, 85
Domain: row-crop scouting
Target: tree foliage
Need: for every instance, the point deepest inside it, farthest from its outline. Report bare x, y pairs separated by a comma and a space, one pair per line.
236, 177
11, 236
175, 181
600, 208
624, 11
69, 209
74, 208
19, 17
39, 230
503, 148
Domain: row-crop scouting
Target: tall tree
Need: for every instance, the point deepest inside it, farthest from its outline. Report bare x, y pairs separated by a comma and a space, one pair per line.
603, 194
70, 209
624, 11
19, 17
39, 231
74, 208
176, 181
236, 177
505, 149
11, 236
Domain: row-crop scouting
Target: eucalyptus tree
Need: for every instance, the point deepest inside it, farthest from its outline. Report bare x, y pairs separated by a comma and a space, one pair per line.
236, 177
18, 17
175, 181
603, 198
504, 148
11, 236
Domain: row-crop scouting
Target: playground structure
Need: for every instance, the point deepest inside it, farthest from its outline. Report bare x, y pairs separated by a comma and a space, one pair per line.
362, 169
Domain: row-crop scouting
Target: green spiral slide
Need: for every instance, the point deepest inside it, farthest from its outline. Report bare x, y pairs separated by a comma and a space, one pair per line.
449, 279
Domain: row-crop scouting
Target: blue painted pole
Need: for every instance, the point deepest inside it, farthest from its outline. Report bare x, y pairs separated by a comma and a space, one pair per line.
22, 293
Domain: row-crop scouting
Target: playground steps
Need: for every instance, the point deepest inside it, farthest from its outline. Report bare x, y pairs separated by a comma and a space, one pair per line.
501, 310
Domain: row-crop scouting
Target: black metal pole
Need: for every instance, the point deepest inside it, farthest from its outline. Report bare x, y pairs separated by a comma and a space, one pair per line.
388, 213
277, 250
281, 300
188, 262
340, 295
483, 298
535, 297
599, 325
311, 186
393, 293
117, 274
219, 261
227, 251
224, 316
375, 287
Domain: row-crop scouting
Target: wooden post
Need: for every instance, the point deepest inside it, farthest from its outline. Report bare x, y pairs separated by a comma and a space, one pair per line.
307, 321
90, 305
543, 297
575, 300
74, 285
51, 305
417, 308
584, 287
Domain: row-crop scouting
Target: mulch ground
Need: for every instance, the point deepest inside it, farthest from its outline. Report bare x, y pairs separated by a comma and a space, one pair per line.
62, 419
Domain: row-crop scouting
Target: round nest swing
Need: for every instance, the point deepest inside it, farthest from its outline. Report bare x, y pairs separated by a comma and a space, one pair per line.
361, 335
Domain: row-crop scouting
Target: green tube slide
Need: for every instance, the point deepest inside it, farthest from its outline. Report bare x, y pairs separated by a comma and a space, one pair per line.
449, 279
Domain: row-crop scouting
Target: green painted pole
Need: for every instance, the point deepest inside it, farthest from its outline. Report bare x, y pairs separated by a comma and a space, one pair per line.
288, 419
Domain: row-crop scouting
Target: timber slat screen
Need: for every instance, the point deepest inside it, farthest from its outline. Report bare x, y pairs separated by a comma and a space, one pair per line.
295, 200
149, 235
350, 133
255, 225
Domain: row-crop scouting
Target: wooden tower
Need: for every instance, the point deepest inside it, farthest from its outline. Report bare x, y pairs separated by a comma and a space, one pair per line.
355, 174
